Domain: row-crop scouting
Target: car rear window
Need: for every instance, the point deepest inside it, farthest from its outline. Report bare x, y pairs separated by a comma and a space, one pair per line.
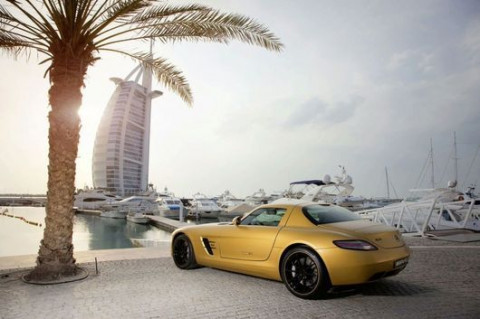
326, 214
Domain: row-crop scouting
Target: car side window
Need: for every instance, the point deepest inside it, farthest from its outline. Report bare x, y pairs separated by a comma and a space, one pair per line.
264, 217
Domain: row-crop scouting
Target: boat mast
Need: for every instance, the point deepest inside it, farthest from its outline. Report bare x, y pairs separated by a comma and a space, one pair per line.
455, 158
431, 159
388, 183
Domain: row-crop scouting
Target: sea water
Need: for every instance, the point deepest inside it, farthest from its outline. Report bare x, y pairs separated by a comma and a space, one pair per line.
18, 237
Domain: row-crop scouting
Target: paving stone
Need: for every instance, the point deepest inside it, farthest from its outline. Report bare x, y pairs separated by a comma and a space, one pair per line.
441, 281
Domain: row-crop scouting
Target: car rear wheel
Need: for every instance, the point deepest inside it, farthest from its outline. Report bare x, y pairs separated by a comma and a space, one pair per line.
183, 254
304, 274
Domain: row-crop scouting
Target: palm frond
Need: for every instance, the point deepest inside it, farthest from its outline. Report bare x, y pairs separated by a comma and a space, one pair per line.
118, 12
170, 76
163, 38
164, 72
41, 23
93, 11
9, 41
15, 46
17, 36
202, 24
85, 11
81, 27
123, 10
56, 13
156, 13
5, 15
228, 26
163, 12
24, 36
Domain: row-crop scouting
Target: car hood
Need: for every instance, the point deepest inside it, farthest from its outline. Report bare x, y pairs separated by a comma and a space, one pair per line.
378, 234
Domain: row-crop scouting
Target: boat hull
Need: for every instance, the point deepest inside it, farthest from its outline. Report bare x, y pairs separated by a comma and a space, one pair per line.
205, 213
138, 219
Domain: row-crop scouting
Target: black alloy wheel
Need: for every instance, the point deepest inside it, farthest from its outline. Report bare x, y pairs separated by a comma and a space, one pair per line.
304, 274
183, 254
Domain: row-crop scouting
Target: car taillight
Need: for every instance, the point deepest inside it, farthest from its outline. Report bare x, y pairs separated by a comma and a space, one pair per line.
354, 245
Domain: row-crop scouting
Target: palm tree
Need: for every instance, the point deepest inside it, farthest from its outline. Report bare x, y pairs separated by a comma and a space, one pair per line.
71, 34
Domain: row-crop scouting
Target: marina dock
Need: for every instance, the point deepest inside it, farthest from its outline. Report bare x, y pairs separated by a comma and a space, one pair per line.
166, 224
163, 223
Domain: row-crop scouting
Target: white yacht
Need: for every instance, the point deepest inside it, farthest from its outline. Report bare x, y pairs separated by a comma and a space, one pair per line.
133, 204
228, 200
257, 198
336, 192
232, 206
276, 195
138, 218
170, 207
204, 207
92, 199
165, 193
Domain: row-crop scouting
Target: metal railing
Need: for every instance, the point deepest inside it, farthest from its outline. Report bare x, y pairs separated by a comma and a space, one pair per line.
421, 217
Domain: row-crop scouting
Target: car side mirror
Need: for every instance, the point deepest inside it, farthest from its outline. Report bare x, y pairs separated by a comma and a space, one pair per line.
236, 221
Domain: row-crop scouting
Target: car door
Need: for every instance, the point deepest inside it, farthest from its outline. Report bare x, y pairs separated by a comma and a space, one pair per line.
254, 238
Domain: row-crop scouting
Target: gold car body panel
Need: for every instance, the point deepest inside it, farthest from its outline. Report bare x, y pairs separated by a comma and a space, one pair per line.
257, 250
379, 234
247, 243
349, 267
220, 235
253, 243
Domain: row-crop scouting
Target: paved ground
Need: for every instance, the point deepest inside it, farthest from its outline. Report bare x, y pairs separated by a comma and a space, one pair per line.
441, 281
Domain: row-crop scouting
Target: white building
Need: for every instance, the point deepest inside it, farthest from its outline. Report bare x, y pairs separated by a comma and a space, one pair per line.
121, 150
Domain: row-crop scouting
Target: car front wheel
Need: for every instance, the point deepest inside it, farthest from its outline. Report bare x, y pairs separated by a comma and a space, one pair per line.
304, 274
183, 254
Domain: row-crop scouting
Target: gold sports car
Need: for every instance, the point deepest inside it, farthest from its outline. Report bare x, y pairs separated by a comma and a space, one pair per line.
309, 246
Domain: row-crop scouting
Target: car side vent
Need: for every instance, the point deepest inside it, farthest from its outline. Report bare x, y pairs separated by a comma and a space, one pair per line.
206, 245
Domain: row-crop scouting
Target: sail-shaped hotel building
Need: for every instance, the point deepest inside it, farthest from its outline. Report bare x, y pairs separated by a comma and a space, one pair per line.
121, 151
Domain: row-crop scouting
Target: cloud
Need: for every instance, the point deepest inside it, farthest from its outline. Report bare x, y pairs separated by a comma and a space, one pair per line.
471, 41
410, 65
307, 113
316, 111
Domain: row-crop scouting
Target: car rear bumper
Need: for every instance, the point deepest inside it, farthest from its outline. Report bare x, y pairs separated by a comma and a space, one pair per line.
349, 267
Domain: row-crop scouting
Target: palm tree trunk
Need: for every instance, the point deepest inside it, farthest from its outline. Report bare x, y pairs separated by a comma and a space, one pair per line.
55, 256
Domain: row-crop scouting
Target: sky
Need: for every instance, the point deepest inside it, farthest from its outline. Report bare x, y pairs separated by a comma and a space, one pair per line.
362, 84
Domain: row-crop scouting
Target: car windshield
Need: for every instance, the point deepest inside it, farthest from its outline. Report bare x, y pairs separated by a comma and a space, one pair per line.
326, 214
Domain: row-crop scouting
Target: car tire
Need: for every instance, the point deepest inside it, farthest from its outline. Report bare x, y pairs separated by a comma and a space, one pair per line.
304, 274
182, 253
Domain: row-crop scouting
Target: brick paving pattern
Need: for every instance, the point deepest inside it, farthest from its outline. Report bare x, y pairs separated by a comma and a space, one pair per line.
440, 282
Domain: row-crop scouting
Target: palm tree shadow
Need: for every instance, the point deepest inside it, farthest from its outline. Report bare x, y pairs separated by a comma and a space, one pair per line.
384, 287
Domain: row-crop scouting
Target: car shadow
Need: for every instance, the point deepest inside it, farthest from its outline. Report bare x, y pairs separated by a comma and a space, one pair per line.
383, 287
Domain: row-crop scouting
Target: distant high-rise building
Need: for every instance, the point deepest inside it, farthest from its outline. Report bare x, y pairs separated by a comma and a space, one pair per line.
121, 150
